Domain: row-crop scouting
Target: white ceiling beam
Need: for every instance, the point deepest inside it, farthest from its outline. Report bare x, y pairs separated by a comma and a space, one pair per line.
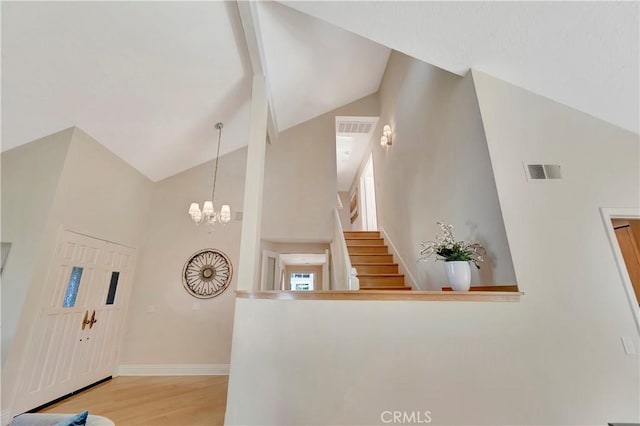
253, 37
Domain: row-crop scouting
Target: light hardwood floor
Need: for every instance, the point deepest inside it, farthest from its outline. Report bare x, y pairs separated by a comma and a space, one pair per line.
153, 401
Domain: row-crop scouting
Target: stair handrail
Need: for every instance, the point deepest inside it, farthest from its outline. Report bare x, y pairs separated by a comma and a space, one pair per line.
342, 269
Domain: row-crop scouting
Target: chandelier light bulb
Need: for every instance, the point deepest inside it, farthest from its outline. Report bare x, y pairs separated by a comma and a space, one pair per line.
197, 217
207, 208
225, 213
194, 208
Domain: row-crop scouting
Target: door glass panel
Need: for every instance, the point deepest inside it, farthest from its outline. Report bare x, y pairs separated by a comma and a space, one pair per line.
113, 285
72, 287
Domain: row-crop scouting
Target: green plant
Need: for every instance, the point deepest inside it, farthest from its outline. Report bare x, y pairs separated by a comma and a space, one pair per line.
446, 248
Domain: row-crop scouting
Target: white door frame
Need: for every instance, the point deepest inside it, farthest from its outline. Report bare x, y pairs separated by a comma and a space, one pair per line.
266, 255
622, 213
325, 271
368, 197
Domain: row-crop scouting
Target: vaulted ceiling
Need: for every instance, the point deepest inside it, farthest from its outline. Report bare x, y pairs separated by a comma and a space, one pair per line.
314, 67
150, 79
582, 54
147, 80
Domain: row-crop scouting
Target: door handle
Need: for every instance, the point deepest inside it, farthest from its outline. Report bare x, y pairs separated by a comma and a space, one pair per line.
93, 320
85, 320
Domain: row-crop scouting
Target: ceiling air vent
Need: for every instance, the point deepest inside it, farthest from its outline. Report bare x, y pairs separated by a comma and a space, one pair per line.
354, 126
543, 171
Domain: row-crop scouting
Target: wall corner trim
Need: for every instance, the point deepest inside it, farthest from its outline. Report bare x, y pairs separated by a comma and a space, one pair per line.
173, 370
396, 255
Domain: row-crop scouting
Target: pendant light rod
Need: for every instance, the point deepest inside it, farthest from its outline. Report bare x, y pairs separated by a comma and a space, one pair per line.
219, 126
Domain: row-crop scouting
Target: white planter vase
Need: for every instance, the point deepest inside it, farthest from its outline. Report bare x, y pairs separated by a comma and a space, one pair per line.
459, 275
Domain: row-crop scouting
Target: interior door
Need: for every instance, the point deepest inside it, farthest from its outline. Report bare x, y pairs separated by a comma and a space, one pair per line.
71, 347
630, 253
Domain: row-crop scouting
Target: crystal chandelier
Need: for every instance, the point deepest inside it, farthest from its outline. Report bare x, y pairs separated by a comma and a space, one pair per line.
208, 214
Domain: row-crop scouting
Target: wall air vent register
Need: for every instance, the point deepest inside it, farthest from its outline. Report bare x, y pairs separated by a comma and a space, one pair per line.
355, 125
542, 171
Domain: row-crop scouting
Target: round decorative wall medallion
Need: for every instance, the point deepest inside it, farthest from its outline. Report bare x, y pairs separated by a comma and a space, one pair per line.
207, 273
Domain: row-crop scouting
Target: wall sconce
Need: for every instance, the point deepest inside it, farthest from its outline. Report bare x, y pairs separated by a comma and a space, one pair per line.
385, 140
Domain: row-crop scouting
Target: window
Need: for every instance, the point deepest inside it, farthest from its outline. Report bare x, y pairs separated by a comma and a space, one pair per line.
113, 286
302, 281
72, 287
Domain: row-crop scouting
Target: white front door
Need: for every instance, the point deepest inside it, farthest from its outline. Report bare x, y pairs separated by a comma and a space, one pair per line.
105, 312
76, 337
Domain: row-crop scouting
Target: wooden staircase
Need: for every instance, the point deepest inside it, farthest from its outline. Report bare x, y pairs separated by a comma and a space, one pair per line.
371, 258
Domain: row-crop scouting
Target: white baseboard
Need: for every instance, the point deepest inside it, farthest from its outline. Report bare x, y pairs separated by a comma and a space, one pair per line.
5, 417
403, 266
173, 370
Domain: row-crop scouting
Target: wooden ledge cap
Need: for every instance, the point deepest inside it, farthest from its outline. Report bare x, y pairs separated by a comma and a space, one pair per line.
389, 295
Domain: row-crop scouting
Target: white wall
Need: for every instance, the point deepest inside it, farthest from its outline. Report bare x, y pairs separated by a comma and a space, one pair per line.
100, 195
344, 213
30, 176
437, 169
175, 333
553, 358
284, 248
300, 184
97, 194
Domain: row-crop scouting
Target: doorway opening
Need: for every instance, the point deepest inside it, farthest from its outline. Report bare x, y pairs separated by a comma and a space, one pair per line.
623, 229
368, 197
295, 271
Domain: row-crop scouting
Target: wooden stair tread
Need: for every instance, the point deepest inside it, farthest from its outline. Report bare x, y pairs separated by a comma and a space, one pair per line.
370, 258
376, 268
378, 255
381, 280
362, 233
396, 288
355, 250
364, 242
379, 275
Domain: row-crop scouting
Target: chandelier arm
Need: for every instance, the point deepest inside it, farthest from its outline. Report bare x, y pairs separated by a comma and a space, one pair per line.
215, 172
